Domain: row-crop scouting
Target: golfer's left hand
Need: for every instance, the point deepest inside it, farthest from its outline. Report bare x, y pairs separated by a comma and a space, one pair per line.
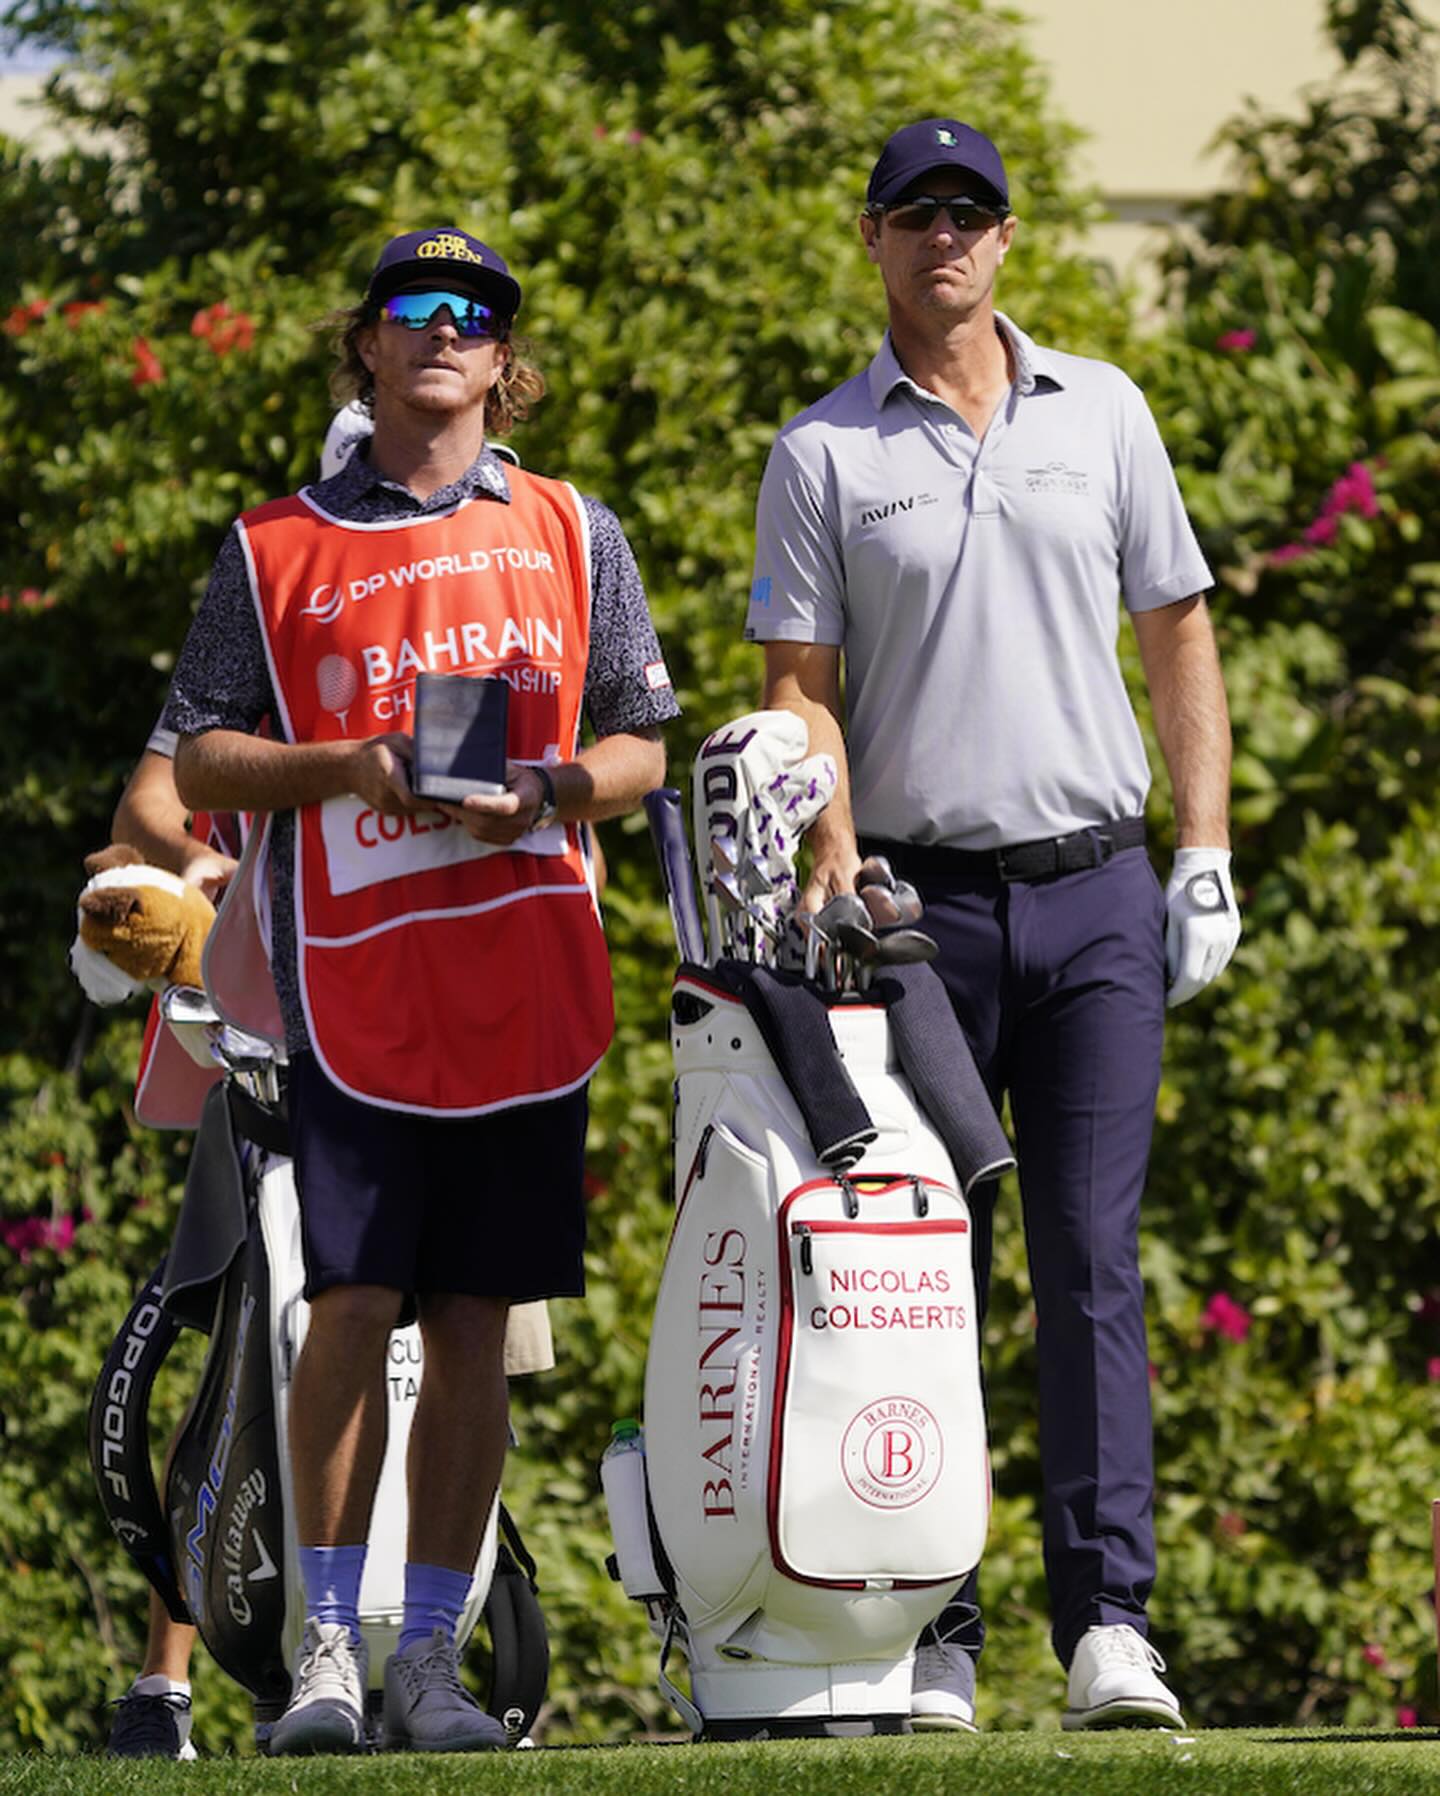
1202, 923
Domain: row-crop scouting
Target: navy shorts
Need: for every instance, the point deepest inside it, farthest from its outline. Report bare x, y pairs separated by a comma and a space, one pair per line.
492, 1206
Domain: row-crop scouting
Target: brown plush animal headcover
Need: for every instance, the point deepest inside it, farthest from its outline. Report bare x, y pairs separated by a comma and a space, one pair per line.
146, 931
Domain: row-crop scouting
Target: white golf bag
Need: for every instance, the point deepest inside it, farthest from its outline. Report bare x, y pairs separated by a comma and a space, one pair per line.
814, 1446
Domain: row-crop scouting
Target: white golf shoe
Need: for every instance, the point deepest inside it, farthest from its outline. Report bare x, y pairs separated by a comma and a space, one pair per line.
1114, 1682
428, 1708
942, 1689
326, 1712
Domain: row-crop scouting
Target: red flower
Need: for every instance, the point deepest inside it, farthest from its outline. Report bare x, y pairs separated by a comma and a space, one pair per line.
1373, 1655
223, 329
1405, 1716
1432, 1370
1226, 1317
17, 321
78, 310
147, 365
1233, 1524
594, 1186
1236, 342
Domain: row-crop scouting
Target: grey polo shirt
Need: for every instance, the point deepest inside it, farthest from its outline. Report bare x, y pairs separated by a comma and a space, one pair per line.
975, 587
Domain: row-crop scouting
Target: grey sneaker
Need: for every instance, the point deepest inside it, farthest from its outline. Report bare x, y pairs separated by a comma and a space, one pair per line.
151, 1727
428, 1708
326, 1712
942, 1689
1114, 1682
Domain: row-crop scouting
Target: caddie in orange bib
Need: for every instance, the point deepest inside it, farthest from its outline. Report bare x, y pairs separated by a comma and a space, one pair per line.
440, 973
439, 961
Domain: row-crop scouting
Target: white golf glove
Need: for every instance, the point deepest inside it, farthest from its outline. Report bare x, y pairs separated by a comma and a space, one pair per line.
1202, 921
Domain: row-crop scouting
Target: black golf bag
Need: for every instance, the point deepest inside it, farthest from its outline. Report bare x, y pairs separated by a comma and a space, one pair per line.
221, 1549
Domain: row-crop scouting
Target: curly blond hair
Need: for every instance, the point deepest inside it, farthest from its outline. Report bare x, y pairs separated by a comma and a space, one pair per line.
521, 384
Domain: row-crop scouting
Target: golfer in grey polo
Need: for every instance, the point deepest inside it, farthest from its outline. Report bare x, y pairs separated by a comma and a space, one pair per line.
956, 528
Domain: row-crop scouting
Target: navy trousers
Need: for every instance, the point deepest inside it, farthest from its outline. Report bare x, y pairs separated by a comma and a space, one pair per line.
1059, 985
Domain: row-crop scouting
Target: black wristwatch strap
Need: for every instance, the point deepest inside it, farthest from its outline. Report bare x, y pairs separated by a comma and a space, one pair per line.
546, 813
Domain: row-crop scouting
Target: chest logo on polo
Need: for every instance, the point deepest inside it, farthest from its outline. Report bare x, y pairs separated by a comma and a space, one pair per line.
1057, 477
877, 514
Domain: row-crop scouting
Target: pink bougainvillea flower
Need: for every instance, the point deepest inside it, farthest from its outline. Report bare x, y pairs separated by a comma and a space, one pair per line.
1405, 1716
148, 371
1226, 1317
1236, 342
1373, 1655
1290, 552
24, 1234
1432, 1370
1323, 530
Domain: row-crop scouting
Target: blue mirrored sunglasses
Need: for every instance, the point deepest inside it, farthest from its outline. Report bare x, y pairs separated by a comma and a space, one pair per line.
473, 318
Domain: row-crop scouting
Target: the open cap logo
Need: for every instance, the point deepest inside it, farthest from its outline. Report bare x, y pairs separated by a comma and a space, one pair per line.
892, 1453
453, 249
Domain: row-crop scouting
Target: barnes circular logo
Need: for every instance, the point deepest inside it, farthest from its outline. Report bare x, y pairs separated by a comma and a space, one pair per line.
892, 1452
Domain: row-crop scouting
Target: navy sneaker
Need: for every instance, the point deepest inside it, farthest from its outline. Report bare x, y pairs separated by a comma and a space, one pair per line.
151, 1727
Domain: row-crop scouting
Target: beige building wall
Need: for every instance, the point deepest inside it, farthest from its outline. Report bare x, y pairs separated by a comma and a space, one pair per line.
20, 116
1152, 81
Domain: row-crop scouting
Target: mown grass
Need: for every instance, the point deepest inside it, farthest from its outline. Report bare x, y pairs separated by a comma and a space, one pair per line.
1218, 1763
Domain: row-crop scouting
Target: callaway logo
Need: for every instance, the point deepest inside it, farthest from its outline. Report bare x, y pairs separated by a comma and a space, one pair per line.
876, 514
945, 137
453, 249
1055, 477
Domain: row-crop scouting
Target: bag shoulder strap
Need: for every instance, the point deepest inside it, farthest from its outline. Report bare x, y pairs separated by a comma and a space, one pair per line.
119, 1433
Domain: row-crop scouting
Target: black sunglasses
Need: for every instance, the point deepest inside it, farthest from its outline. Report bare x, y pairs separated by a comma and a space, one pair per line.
920, 212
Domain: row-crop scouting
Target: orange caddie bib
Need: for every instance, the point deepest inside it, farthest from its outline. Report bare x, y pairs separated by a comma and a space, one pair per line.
438, 974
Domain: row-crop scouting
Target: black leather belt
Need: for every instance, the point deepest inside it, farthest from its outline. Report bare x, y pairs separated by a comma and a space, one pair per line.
1017, 860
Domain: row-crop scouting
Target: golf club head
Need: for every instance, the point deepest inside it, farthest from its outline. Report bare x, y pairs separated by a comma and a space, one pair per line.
880, 901
844, 907
908, 901
875, 870
905, 947
857, 941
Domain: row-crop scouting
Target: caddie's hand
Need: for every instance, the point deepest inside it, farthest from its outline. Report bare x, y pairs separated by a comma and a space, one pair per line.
380, 774
209, 870
501, 818
832, 871
1202, 923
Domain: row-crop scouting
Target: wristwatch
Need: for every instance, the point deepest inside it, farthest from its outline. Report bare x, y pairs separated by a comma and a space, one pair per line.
548, 805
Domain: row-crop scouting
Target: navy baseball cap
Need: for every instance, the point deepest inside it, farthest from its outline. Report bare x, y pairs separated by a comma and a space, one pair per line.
449, 257
918, 150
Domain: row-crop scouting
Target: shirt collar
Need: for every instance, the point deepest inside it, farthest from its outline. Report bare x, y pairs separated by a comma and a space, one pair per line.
1032, 365
484, 478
